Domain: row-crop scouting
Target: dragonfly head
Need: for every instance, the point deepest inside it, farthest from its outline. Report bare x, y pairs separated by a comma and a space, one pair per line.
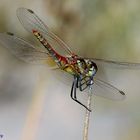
87, 67
91, 68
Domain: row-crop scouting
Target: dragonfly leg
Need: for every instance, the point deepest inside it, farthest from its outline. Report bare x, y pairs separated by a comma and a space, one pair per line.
77, 83
73, 93
85, 82
74, 84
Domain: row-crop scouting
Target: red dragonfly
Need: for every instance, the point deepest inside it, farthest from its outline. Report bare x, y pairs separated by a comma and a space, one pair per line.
82, 69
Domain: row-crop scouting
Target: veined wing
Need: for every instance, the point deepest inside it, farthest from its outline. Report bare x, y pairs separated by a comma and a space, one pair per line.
31, 21
24, 50
116, 64
104, 89
99, 88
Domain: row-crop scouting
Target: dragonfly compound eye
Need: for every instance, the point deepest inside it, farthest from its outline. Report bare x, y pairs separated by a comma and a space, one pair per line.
92, 68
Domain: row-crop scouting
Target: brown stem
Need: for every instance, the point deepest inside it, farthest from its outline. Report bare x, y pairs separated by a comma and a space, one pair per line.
87, 116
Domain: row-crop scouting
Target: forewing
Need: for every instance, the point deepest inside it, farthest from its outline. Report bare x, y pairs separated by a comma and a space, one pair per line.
116, 64
106, 90
31, 21
24, 50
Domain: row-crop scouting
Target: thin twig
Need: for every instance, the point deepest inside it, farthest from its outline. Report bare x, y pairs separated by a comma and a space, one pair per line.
87, 116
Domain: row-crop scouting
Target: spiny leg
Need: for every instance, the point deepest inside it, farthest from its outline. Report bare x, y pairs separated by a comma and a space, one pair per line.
73, 88
84, 81
75, 99
77, 83
73, 93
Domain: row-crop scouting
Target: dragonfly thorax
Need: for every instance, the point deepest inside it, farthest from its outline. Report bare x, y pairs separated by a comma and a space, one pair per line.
86, 67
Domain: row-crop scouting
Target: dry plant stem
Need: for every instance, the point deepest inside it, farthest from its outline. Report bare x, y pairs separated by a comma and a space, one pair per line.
87, 116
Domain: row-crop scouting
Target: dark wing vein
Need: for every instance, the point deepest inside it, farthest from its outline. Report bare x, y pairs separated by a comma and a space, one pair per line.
104, 89
31, 21
23, 49
116, 64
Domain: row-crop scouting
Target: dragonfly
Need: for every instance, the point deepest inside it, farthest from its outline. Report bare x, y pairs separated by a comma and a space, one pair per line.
52, 48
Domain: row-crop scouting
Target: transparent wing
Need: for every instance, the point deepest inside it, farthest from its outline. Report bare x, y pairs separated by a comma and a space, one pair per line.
116, 64
31, 21
100, 88
24, 50
62, 76
106, 90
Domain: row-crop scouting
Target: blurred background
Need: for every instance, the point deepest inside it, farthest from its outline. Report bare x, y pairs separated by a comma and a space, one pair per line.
35, 105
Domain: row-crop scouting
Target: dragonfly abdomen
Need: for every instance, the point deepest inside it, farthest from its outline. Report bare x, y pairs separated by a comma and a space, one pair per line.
60, 60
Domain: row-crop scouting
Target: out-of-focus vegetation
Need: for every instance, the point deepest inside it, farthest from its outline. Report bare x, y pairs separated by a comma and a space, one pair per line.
34, 105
